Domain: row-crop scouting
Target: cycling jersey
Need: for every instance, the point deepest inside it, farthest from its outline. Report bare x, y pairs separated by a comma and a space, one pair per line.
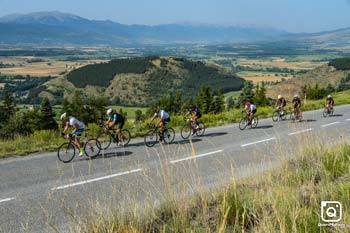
116, 118
196, 111
252, 107
282, 102
330, 101
162, 114
296, 102
74, 121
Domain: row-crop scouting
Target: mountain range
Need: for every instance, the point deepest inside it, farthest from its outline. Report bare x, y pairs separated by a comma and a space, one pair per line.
56, 28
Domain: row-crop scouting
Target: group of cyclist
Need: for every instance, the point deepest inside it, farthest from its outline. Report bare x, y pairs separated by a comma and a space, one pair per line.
117, 120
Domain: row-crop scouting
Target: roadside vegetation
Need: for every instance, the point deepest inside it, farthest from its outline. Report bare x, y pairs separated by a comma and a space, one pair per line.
286, 199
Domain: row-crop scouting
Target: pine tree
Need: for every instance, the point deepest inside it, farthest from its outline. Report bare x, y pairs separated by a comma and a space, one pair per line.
9, 107
246, 94
47, 116
229, 103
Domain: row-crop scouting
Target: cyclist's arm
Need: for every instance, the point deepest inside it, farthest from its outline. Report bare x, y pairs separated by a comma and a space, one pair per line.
66, 127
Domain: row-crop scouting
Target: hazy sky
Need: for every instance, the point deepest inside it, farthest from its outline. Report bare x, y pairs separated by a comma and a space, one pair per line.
291, 15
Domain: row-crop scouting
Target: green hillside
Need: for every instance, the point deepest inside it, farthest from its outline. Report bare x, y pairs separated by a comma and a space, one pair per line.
139, 81
336, 74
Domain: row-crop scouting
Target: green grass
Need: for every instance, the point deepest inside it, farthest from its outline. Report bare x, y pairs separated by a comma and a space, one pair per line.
49, 141
283, 200
129, 110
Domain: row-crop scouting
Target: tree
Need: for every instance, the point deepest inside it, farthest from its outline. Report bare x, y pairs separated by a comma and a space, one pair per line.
260, 95
218, 104
205, 98
229, 103
47, 116
9, 107
246, 94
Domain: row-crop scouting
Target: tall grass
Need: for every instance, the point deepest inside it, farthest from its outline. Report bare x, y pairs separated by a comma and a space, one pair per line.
284, 200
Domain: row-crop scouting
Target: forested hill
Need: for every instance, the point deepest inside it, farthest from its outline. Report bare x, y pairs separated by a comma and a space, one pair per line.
139, 81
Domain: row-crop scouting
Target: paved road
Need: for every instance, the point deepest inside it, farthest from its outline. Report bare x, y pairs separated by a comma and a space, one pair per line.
40, 194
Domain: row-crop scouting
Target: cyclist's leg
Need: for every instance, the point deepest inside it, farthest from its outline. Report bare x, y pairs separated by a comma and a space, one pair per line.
119, 130
77, 135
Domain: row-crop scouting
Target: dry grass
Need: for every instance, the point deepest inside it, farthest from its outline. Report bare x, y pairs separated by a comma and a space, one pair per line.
280, 63
257, 77
49, 66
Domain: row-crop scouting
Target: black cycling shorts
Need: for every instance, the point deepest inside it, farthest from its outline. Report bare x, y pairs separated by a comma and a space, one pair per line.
166, 120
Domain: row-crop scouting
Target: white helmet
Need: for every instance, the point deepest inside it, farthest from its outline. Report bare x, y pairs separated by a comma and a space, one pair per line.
296, 96
279, 97
329, 96
109, 112
63, 116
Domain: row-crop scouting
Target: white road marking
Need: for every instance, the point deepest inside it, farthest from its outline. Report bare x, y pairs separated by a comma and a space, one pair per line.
7, 199
337, 122
347, 119
252, 143
301, 131
196, 156
96, 179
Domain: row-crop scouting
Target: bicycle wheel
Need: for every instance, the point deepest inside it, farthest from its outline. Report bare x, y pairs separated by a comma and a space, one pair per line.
275, 116
254, 123
66, 152
243, 123
201, 129
105, 140
284, 115
331, 112
151, 138
186, 131
92, 148
169, 135
325, 112
126, 136
292, 116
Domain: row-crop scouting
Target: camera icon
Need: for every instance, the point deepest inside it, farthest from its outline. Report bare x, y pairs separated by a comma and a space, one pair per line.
331, 211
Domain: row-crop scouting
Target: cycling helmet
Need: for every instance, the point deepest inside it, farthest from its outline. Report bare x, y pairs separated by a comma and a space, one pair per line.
109, 112
296, 96
329, 96
279, 97
247, 104
63, 116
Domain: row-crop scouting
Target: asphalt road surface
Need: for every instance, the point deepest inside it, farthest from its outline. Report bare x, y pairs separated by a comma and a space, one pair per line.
38, 193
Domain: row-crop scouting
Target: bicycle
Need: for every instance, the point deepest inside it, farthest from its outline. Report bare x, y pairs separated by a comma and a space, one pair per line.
67, 151
153, 135
293, 116
328, 112
279, 115
245, 121
106, 137
189, 128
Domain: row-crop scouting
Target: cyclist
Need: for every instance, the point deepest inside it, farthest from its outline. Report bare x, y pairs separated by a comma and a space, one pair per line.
281, 103
164, 118
78, 129
250, 109
296, 107
196, 114
115, 119
329, 103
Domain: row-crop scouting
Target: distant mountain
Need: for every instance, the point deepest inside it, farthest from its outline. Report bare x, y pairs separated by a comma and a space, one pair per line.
56, 28
139, 81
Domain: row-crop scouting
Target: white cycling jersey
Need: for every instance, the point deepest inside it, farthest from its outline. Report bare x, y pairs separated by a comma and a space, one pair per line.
74, 121
162, 114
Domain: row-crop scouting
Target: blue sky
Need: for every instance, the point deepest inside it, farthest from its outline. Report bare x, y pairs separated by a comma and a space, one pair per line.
291, 15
